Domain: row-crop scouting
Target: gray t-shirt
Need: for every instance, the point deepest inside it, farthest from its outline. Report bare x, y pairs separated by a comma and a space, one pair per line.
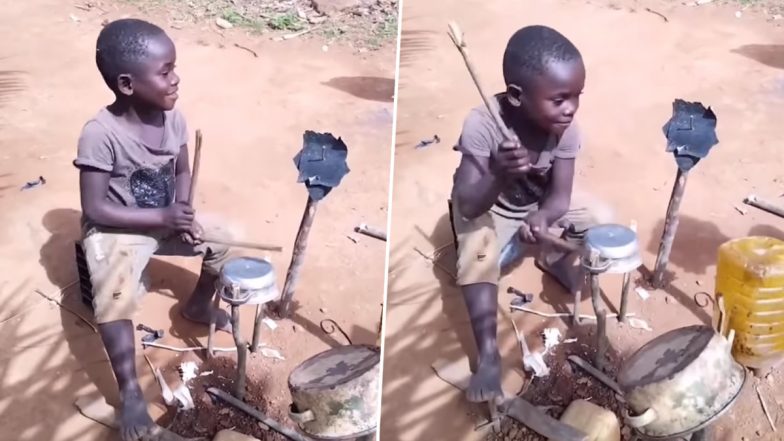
480, 135
141, 175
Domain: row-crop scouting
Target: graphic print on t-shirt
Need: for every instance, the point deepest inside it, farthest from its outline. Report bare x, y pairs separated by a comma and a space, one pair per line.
153, 188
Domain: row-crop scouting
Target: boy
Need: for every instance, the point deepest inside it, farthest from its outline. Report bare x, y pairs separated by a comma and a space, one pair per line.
523, 188
134, 181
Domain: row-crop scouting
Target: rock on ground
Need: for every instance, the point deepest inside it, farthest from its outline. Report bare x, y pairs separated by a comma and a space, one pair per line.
230, 435
332, 7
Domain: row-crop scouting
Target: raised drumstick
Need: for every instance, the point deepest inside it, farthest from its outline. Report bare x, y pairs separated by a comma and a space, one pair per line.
492, 106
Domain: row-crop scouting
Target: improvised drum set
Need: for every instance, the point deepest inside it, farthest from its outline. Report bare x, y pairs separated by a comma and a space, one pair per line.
334, 393
677, 384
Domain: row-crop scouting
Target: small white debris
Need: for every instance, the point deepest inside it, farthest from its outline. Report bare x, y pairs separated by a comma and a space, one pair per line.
168, 396
270, 323
188, 371
552, 337
642, 292
570, 340
323, 310
272, 353
699, 282
703, 2
74, 18
535, 362
223, 23
206, 373
324, 48
777, 17
183, 395
639, 324
738, 14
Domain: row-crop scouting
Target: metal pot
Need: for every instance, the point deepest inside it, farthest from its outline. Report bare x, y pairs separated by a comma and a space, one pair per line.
680, 382
335, 393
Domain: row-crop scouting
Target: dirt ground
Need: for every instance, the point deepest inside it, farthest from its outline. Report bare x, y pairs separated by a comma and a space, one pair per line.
253, 112
637, 64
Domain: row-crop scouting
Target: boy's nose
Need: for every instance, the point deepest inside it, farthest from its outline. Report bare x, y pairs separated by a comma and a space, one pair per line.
175, 80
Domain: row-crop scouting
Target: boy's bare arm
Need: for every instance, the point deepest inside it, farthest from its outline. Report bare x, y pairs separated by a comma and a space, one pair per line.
556, 202
479, 180
94, 185
183, 177
476, 188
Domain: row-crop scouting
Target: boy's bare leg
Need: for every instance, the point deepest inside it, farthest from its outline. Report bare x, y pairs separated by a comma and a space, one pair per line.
564, 268
482, 303
199, 305
134, 420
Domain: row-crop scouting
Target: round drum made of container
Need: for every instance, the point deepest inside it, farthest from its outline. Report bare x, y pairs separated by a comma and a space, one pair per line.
680, 382
335, 393
617, 245
250, 279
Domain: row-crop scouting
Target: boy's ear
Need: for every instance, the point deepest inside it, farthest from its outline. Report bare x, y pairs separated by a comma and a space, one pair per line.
514, 94
125, 84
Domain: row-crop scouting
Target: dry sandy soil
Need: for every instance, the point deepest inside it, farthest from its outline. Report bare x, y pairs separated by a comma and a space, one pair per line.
637, 64
253, 112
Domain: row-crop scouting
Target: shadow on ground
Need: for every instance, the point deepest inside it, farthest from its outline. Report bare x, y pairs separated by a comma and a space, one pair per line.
58, 259
367, 88
768, 54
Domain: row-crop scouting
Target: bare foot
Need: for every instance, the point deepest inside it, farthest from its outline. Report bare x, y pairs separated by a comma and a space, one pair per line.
135, 423
201, 314
485, 384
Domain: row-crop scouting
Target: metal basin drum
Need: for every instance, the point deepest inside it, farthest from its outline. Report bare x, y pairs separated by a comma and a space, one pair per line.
680, 382
335, 393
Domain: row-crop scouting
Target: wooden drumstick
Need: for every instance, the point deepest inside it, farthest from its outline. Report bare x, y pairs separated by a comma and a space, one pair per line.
240, 244
195, 171
492, 105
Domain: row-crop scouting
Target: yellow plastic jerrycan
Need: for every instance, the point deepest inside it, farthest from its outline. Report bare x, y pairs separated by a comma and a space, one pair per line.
598, 423
750, 278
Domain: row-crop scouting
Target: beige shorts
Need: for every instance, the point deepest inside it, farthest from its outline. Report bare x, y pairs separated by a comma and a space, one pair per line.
117, 260
480, 240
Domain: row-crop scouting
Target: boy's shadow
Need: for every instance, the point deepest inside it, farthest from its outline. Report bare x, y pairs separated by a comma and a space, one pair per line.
57, 257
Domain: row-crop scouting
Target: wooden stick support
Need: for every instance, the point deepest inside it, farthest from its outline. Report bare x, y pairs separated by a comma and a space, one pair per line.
196, 167
627, 281
242, 353
213, 324
267, 421
670, 228
297, 257
757, 202
601, 314
254, 346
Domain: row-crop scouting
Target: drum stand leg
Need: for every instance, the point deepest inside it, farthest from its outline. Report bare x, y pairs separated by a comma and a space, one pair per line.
242, 353
624, 297
254, 347
601, 314
213, 322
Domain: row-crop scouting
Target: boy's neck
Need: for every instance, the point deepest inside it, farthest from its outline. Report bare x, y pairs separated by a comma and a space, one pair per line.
135, 114
517, 120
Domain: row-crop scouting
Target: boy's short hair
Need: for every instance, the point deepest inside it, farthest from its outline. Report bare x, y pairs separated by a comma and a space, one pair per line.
121, 45
531, 49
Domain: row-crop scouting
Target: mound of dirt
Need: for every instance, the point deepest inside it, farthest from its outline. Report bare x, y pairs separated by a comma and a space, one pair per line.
565, 384
211, 416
